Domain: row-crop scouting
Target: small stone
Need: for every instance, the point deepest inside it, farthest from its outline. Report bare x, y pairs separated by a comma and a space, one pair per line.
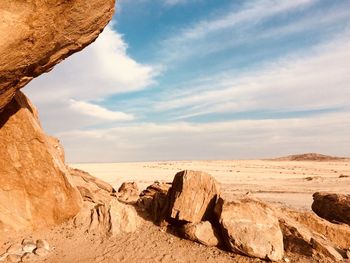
286, 260
42, 243
29, 247
13, 258
41, 252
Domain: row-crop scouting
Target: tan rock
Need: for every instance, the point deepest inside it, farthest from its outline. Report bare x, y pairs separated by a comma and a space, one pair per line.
192, 196
128, 192
42, 243
39, 34
42, 252
108, 219
333, 207
325, 249
35, 187
251, 228
154, 200
202, 232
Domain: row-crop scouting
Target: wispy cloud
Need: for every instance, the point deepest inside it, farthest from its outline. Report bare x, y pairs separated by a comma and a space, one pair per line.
317, 80
99, 112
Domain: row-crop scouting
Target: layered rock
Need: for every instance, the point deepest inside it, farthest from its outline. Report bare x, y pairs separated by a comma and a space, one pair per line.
333, 207
35, 186
192, 197
39, 34
250, 228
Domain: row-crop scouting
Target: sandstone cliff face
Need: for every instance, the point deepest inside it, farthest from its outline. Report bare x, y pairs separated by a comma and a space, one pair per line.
35, 187
37, 34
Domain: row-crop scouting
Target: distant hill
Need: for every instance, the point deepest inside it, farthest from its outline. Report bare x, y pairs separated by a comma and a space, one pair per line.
310, 157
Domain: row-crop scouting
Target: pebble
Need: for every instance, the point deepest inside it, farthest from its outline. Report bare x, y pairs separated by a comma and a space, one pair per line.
41, 252
29, 247
41, 243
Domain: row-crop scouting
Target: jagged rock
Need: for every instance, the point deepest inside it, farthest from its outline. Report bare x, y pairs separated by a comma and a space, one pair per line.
91, 188
154, 199
128, 192
192, 197
35, 187
202, 232
251, 228
108, 219
333, 207
325, 249
39, 34
336, 234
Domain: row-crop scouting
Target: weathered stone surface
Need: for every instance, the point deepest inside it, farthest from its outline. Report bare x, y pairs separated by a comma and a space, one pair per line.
38, 34
35, 187
91, 188
192, 196
154, 199
108, 219
325, 249
128, 192
333, 207
42, 243
202, 232
251, 228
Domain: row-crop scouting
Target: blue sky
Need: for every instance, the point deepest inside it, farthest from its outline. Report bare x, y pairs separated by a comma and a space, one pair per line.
202, 79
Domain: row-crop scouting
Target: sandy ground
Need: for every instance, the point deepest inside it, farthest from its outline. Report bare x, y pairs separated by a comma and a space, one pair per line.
289, 182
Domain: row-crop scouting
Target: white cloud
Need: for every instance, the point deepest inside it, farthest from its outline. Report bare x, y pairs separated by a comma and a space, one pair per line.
99, 112
219, 140
101, 69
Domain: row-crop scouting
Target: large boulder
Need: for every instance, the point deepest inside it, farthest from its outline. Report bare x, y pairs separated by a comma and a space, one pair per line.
251, 228
36, 189
333, 207
192, 197
38, 34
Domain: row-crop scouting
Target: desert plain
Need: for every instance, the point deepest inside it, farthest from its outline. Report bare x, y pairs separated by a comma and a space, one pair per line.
291, 183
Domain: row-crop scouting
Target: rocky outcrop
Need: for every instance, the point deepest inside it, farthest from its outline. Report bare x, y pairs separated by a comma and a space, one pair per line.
333, 207
39, 34
250, 228
192, 197
35, 187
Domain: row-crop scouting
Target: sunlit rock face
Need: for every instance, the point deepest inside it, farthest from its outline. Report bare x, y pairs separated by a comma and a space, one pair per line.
35, 186
36, 189
37, 34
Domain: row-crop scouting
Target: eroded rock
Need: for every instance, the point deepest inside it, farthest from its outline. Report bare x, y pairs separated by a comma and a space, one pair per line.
128, 192
333, 207
192, 197
36, 189
39, 34
108, 219
251, 228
